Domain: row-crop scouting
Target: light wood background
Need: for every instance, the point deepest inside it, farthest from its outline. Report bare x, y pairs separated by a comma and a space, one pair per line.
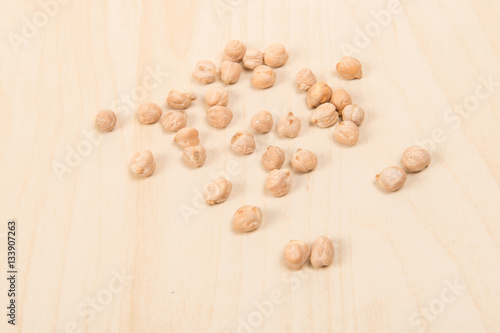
396, 254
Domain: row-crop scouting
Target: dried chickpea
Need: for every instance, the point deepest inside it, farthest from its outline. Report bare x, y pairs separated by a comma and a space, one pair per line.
230, 72
194, 156
149, 113
275, 55
325, 115
262, 121
219, 116
263, 77
205, 72
279, 182
305, 79
289, 126
218, 191
179, 100
340, 98
186, 137
353, 113
319, 93
143, 163
304, 160
252, 58
234, 50
296, 254
391, 179
322, 252
349, 68
216, 96
105, 120
416, 159
174, 120
273, 158
347, 133
243, 142
247, 218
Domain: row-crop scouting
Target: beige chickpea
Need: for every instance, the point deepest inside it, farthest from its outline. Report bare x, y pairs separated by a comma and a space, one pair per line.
234, 50
174, 120
325, 115
205, 72
273, 158
243, 142
340, 98
262, 121
186, 137
179, 100
353, 113
230, 72
252, 58
263, 77
275, 55
247, 218
296, 254
279, 182
349, 68
148, 113
194, 156
219, 116
217, 191
105, 120
289, 126
391, 179
305, 79
319, 93
347, 133
304, 160
416, 159
143, 163
216, 96
322, 252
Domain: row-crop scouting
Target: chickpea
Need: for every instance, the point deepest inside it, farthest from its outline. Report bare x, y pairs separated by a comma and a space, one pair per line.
340, 98
143, 163
353, 113
179, 100
347, 133
243, 142
219, 116
262, 121
319, 93
174, 120
234, 50
349, 68
252, 58
296, 254
194, 156
304, 160
289, 126
149, 113
205, 72
275, 55
263, 77
186, 137
279, 182
325, 115
416, 159
305, 79
273, 158
322, 252
230, 72
247, 218
105, 120
391, 179
217, 191
216, 96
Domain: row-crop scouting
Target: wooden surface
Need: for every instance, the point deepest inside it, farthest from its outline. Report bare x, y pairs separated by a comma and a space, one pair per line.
398, 255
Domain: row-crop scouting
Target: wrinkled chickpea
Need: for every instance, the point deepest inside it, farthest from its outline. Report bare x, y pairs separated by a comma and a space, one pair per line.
219, 116
353, 113
273, 158
279, 182
289, 126
105, 120
325, 115
230, 72
304, 160
416, 159
349, 68
296, 254
322, 252
340, 98
262, 121
179, 100
217, 191
174, 120
194, 156
319, 93
243, 142
275, 55
263, 77
186, 137
247, 218
252, 58
205, 72
216, 96
234, 50
143, 163
148, 113
391, 179
347, 133
305, 79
